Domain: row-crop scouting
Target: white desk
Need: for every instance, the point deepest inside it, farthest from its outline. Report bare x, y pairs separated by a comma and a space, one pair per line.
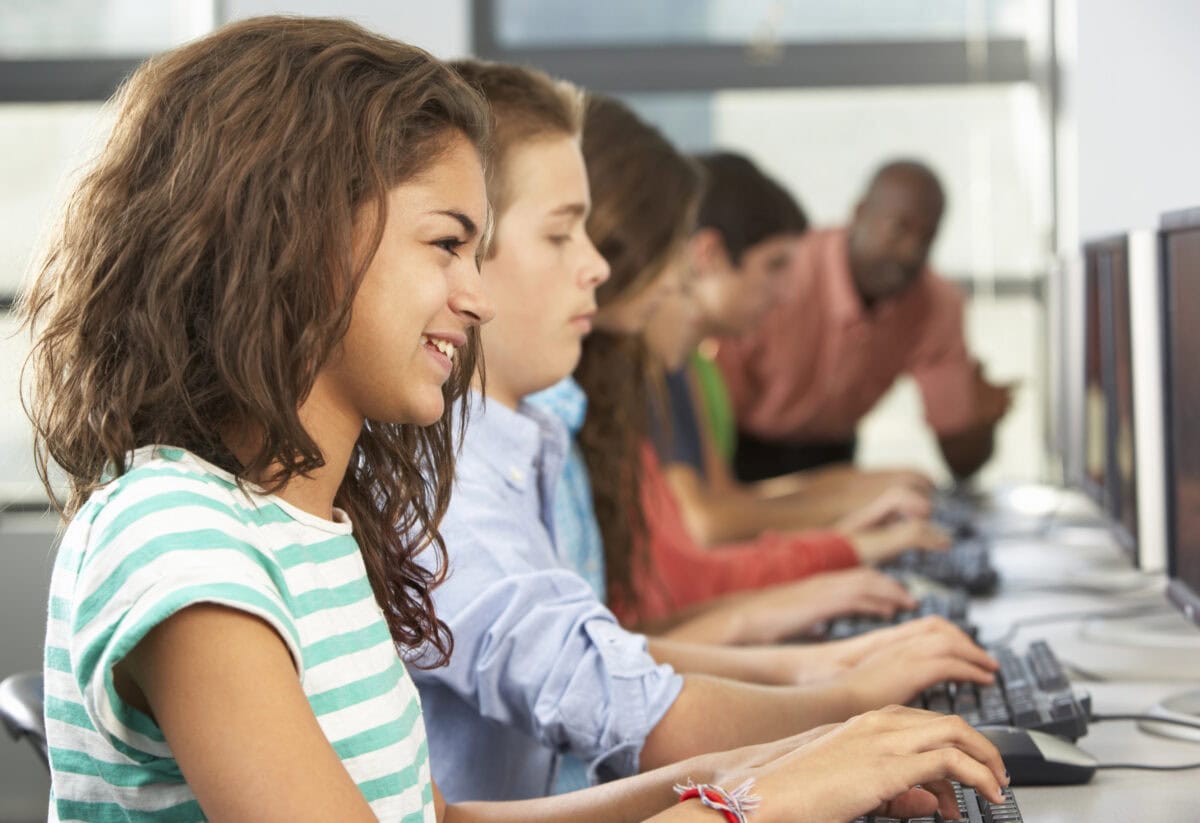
1135, 677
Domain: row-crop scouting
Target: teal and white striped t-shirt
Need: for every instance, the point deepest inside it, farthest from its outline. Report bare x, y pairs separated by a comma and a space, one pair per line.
175, 531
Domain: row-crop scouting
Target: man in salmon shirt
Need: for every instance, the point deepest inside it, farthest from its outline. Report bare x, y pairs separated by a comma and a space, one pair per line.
860, 309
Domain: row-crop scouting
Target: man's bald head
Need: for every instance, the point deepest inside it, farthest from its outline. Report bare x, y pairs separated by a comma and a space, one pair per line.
893, 229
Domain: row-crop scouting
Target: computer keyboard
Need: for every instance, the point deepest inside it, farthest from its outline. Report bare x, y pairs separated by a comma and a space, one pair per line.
971, 808
952, 605
955, 514
965, 565
1031, 691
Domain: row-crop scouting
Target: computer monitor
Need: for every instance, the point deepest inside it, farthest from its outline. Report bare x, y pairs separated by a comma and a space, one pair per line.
1179, 256
1056, 333
1096, 482
1142, 511
1117, 349
1179, 247
1123, 432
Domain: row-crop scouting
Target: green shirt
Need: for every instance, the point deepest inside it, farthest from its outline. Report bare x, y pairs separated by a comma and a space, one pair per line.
174, 531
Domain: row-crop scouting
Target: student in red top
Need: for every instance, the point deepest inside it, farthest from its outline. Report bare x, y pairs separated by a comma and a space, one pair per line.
860, 309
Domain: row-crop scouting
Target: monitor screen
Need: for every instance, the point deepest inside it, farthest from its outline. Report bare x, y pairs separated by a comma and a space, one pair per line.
1122, 454
1095, 411
1179, 247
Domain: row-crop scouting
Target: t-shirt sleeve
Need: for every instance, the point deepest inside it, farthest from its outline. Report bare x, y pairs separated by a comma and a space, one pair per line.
678, 441
680, 573
140, 563
941, 365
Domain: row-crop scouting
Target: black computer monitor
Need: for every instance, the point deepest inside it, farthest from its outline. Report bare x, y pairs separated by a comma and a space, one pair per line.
1095, 480
1179, 257
1117, 346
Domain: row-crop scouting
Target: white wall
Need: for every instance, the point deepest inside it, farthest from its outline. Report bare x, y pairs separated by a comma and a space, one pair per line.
1135, 90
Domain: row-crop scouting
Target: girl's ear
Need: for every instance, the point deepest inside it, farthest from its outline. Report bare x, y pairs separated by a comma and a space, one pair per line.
707, 251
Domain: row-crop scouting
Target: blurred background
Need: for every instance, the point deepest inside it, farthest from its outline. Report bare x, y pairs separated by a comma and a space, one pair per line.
1047, 120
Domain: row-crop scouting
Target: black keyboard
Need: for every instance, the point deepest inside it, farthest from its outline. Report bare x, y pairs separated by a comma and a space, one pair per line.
951, 605
971, 808
1031, 691
965, 565
955, 514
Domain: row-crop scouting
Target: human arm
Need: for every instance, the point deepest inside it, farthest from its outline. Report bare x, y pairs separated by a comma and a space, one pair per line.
910, 657
717, 513
793, 777
223, 687
967, 450
790, 609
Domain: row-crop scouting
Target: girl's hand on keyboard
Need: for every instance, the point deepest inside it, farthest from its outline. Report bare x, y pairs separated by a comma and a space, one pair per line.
880, 544
891, 762
897, 503
786, 610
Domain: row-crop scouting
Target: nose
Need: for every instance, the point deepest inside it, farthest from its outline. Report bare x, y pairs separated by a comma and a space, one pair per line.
467, 299
595, 269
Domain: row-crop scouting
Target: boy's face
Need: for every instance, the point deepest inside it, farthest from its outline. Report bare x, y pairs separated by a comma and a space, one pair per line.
543, 275
420, 294
732, 300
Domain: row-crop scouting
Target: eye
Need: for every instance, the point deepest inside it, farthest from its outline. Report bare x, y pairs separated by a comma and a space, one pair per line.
450, 245
559, 239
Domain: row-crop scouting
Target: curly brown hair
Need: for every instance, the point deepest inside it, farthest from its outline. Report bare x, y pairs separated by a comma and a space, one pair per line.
644, 200
203, 273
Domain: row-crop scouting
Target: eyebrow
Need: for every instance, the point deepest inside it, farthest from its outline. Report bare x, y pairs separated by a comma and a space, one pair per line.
572, 209
467, 223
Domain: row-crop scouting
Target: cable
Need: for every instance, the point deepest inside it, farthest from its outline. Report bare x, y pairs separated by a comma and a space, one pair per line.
1148, 767
1144, 718
1066, 617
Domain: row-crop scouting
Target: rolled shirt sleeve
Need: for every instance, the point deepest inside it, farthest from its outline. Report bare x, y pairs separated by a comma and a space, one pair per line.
540, 667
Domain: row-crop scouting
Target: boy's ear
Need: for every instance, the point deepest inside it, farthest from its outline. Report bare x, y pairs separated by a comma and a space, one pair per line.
707, 248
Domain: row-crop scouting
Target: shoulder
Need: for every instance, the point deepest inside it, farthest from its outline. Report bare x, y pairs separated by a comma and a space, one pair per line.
940, 295
170, 488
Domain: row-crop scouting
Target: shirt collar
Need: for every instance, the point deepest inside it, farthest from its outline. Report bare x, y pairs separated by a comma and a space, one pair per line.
523, 445
844, 300
566, 401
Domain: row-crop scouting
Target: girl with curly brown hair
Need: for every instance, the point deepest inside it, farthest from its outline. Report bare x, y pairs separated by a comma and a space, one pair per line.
248, 325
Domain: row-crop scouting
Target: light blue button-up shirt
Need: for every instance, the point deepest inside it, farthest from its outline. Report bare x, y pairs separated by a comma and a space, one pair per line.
576, 532
540, 667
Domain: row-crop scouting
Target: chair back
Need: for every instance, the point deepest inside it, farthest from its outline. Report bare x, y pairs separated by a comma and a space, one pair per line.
21, 705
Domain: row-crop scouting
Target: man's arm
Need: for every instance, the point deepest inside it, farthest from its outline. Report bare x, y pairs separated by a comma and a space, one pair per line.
966, 451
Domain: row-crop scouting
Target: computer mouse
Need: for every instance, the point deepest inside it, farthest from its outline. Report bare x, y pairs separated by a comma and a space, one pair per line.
1035, 758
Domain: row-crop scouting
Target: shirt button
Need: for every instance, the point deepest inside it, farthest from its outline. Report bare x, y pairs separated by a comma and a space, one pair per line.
517, 475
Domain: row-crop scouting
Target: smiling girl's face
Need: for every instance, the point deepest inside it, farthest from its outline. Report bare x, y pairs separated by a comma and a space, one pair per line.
419, 296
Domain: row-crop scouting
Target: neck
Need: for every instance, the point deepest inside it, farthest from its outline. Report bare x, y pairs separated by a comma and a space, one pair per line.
497, 392
335, 429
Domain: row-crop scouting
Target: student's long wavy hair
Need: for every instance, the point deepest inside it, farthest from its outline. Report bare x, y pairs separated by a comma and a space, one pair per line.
203, 272
644, 200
